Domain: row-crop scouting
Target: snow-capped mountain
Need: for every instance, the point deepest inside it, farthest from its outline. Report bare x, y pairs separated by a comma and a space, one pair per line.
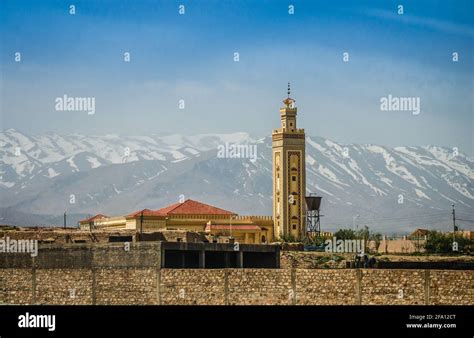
27, 157
390, 189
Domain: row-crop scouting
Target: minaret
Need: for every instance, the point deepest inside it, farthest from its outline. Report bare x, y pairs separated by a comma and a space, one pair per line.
289, 174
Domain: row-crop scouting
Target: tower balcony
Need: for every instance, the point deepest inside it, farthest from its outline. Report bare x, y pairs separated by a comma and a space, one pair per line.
288, 111
287, 131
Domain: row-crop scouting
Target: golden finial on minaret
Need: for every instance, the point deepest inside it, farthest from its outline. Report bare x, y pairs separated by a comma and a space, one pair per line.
289, 102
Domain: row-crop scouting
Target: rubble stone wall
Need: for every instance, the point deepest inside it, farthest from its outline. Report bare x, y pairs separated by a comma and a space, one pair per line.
151, 285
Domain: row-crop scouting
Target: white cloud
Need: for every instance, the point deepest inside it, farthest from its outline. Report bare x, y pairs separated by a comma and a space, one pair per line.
431, 23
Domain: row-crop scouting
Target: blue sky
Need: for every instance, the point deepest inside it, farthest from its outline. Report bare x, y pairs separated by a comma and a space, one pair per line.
190, 57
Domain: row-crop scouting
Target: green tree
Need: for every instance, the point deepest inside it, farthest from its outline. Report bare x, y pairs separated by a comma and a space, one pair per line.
363, 233
288, 239
345, 234
438, 242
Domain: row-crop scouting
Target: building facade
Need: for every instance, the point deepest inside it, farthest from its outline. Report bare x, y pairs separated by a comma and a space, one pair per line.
190, 215
289, 175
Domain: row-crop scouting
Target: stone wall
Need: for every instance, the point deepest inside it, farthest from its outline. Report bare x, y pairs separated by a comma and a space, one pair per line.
392, 287
260, 286
63, 286
192, 286
151, 285
327, 287
125, 286
451, 287
115, 274
16, 286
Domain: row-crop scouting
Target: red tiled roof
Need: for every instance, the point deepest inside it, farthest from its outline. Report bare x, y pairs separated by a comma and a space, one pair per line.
146, 212
166, 210
234, 227
93, 218
421, 232
189, 207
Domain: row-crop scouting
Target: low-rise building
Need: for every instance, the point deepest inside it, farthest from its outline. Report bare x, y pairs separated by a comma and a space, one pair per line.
190, 215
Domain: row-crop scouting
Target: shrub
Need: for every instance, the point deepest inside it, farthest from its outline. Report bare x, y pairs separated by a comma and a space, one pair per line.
438, 242
345, 234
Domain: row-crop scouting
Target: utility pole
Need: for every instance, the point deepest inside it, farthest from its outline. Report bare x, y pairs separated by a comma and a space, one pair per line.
454, 225
141, 223
65, 220
353, 222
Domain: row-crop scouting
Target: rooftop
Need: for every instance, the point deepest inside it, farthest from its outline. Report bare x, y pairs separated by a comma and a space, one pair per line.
188, 207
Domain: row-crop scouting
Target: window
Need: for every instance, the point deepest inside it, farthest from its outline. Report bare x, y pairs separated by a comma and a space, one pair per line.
293, 178
294, 226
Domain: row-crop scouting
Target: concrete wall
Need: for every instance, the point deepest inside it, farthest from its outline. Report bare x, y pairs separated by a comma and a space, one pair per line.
399, 246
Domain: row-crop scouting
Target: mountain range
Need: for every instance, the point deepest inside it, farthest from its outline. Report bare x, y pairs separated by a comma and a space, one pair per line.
389, 189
